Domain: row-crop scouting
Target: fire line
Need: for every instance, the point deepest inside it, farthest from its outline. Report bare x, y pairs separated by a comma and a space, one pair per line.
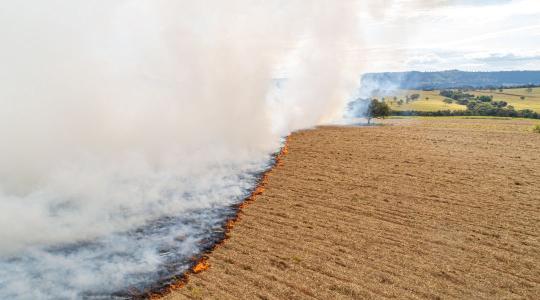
202, 263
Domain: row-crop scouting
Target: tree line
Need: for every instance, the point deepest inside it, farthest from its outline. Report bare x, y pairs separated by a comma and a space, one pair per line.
525, 113
452, 79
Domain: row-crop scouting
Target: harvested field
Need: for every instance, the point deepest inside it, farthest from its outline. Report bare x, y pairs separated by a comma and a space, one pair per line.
421, 208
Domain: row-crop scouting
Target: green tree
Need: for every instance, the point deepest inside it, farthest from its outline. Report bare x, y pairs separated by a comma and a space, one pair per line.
522, 97
499, 104
484, 98
484, 109
377, 110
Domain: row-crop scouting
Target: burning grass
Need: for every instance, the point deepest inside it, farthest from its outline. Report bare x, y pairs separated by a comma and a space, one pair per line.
202, 263
201, 266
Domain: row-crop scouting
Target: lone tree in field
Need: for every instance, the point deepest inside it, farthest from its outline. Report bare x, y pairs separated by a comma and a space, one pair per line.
377, 110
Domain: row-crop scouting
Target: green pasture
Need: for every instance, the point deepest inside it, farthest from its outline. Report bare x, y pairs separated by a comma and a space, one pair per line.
432, 101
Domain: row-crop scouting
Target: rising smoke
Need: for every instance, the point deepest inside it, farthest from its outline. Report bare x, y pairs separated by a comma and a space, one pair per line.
120, 114
97, 97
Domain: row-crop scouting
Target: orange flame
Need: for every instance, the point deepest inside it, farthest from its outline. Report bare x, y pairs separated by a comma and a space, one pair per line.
203, 265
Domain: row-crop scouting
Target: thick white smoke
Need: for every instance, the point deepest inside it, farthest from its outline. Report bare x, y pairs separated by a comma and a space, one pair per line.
128, 128
94, 92
117, 114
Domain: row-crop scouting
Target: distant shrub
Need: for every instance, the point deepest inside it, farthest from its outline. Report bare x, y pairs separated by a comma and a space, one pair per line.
536, 129
484, 98
448, 100
499, 104
477, 109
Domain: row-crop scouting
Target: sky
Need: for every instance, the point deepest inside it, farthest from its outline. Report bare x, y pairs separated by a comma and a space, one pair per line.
472, 35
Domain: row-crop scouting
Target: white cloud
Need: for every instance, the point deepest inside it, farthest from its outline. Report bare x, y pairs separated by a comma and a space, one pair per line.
424, 59
488, 35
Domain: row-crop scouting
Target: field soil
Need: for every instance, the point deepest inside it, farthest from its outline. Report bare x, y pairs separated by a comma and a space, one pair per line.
419, 208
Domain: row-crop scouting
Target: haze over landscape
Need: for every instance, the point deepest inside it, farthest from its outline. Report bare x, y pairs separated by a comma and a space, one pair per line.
133, 130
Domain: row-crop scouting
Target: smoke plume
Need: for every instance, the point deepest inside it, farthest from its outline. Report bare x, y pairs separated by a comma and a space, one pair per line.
130, 127
120, 115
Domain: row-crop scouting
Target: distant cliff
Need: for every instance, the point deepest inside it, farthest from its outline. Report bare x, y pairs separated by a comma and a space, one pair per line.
451, 79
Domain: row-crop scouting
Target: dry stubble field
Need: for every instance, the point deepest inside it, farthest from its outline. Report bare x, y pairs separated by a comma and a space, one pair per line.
420, 208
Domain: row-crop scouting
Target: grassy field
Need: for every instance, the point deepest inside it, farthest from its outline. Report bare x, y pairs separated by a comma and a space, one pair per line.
512, 96
432, 101
423, 208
